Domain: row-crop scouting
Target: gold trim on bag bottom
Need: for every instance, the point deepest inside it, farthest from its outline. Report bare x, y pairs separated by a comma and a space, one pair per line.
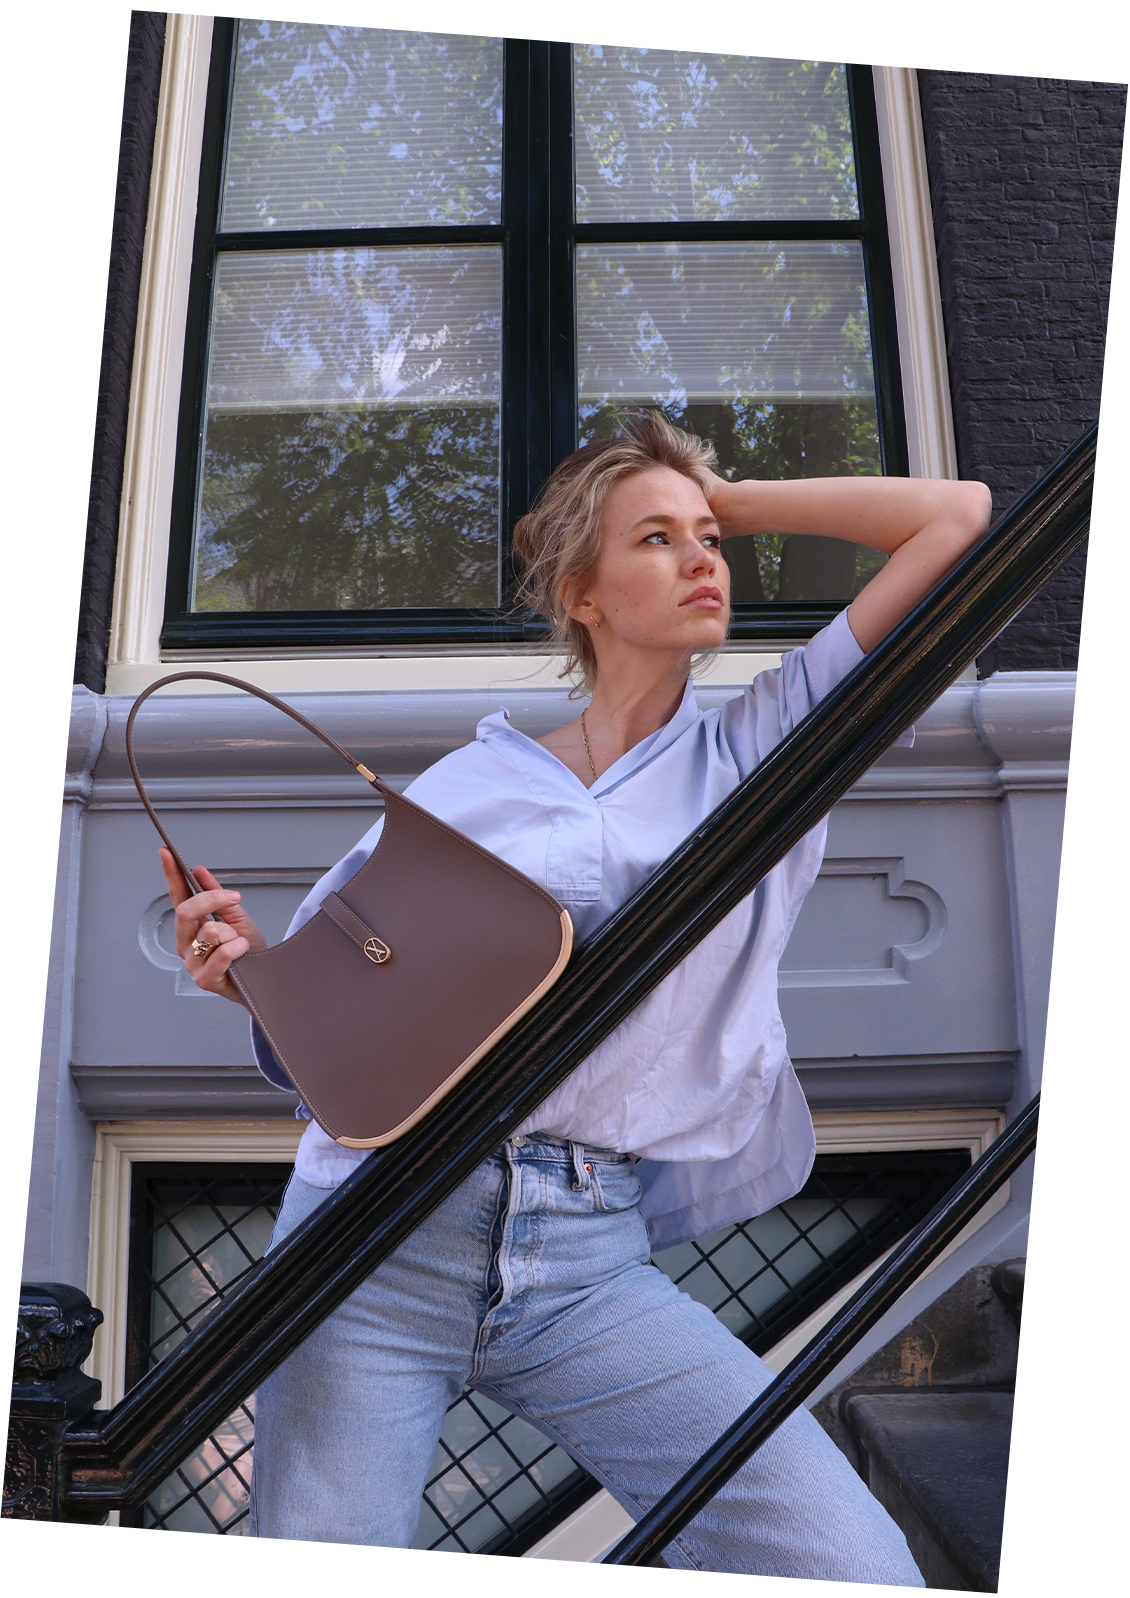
445, 1086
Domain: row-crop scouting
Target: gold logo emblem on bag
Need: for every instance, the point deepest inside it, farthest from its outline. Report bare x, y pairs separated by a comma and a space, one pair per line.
377, 951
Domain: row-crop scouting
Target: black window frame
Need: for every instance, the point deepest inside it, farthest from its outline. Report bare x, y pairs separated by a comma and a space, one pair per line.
538, 236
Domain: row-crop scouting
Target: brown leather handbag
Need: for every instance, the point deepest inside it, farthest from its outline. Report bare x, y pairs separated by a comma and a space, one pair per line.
427, 956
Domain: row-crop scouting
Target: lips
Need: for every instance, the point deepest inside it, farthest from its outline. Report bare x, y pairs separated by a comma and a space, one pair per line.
706, 598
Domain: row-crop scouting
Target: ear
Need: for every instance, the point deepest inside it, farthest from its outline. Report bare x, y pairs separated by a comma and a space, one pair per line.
578, 607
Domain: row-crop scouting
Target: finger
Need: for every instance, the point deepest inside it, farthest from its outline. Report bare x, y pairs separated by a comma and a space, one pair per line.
211, 974
205, 878
210, 935
179, 889
191, 914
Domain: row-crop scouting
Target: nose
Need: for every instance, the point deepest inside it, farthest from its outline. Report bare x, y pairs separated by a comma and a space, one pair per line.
700, 560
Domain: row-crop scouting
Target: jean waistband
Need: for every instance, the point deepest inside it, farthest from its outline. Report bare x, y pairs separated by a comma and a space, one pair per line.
566, 1146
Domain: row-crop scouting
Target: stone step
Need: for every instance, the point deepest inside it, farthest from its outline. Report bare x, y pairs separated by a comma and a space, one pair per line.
1002, 1490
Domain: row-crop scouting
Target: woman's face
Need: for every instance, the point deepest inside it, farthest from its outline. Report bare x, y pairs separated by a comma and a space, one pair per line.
661, 581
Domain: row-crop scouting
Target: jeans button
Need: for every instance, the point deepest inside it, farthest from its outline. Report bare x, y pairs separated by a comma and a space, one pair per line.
518, 1141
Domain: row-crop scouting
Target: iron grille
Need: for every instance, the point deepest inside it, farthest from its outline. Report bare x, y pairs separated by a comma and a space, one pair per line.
496, 1485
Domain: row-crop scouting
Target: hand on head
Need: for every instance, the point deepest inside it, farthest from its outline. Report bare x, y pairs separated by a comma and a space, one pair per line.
208, 946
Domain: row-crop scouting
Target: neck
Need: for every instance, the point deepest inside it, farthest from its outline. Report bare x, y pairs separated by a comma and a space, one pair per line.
633, 698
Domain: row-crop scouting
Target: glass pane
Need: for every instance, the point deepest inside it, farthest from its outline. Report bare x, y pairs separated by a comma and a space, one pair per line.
352, 431
763, 347
665, 134
362, 127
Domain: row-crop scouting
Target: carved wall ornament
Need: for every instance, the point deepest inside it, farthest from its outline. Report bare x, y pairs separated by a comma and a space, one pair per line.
896, 967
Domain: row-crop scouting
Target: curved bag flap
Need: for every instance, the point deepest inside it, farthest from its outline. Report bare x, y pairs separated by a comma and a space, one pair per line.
402, 980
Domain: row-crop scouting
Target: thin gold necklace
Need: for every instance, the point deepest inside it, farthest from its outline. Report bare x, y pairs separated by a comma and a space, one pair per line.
588, 751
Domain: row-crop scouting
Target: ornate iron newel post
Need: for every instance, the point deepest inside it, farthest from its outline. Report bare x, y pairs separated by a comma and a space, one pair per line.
56, 1329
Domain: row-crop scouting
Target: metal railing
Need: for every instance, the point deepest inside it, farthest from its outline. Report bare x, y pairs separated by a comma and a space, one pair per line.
117, 1457
1050, 1120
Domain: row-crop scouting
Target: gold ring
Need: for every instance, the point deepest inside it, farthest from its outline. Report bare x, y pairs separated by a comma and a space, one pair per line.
200, 949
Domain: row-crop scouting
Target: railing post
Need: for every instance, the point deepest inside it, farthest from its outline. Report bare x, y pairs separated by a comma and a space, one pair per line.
49, 1391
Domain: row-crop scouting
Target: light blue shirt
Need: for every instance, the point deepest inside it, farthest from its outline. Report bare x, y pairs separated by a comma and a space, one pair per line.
697, 1081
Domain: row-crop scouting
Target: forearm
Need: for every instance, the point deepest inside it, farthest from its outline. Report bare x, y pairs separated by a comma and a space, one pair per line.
924, 526
880, 512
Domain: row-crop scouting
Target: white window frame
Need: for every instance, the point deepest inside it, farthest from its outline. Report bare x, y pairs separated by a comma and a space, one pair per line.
135, 657
118, 1146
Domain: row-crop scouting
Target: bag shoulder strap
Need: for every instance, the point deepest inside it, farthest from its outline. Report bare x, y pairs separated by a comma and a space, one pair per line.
248, 688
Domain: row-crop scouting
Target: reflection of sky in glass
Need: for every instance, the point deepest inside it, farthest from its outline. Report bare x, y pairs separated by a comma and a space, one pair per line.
665, 134
362, 127
384, 327
706, 323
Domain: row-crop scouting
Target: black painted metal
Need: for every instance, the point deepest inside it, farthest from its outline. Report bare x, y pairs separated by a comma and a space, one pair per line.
323, 1260
787, 1392
54, 1333
877, 272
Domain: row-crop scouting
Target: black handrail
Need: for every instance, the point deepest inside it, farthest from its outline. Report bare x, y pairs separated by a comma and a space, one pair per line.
692, 1492
128, 1450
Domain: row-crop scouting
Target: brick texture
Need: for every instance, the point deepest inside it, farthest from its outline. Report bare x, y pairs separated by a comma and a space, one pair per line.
1024, 183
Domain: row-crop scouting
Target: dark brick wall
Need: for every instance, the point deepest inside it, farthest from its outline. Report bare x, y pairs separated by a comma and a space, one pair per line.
77, 112
1024, 182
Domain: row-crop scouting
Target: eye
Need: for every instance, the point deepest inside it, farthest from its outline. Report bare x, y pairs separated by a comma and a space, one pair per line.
656, 538
712, 540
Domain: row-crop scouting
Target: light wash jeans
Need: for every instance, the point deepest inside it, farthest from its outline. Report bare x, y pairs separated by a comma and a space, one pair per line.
531, 1284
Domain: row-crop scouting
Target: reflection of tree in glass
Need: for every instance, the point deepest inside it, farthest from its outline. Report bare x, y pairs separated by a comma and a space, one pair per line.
763, 348
353, 509
339, 127
675, 134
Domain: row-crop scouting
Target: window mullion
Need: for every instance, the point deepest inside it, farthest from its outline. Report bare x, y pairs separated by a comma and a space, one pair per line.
525, 346
877, 270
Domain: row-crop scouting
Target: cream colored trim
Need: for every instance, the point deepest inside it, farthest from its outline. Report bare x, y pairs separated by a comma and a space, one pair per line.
117, 1146
914, 267
398, 672
872, 1131
151, 437
590, 1531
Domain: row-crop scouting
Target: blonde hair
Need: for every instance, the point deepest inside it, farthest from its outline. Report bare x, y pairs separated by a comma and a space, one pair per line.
559, 540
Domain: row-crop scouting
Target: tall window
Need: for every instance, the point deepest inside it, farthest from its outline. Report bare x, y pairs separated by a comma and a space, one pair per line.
428, 266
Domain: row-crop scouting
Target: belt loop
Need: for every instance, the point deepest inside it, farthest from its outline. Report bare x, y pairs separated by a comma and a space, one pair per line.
581, 1171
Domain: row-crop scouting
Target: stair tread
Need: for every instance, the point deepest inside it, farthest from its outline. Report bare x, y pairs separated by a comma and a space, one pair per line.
1023, 1490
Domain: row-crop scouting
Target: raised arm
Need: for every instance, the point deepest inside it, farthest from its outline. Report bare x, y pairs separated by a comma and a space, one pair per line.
924, 525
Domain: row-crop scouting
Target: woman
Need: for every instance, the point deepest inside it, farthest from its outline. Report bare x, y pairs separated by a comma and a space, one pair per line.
531, 1282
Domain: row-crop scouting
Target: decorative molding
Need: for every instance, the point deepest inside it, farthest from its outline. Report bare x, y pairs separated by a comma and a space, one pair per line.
54, 1332
50, 739
118, 1146
897, 1131
914, 268
866, 1084
151, 437
900, 954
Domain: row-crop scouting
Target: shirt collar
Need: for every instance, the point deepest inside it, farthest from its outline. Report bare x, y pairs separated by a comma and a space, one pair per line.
519, 745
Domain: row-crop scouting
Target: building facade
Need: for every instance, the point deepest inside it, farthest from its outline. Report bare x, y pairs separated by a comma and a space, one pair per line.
959, 227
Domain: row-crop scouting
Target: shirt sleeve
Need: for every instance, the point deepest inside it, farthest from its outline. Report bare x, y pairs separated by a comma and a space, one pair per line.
777, 701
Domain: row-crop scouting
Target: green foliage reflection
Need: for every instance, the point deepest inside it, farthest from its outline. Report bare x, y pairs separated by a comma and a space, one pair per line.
774, 442
356, 508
